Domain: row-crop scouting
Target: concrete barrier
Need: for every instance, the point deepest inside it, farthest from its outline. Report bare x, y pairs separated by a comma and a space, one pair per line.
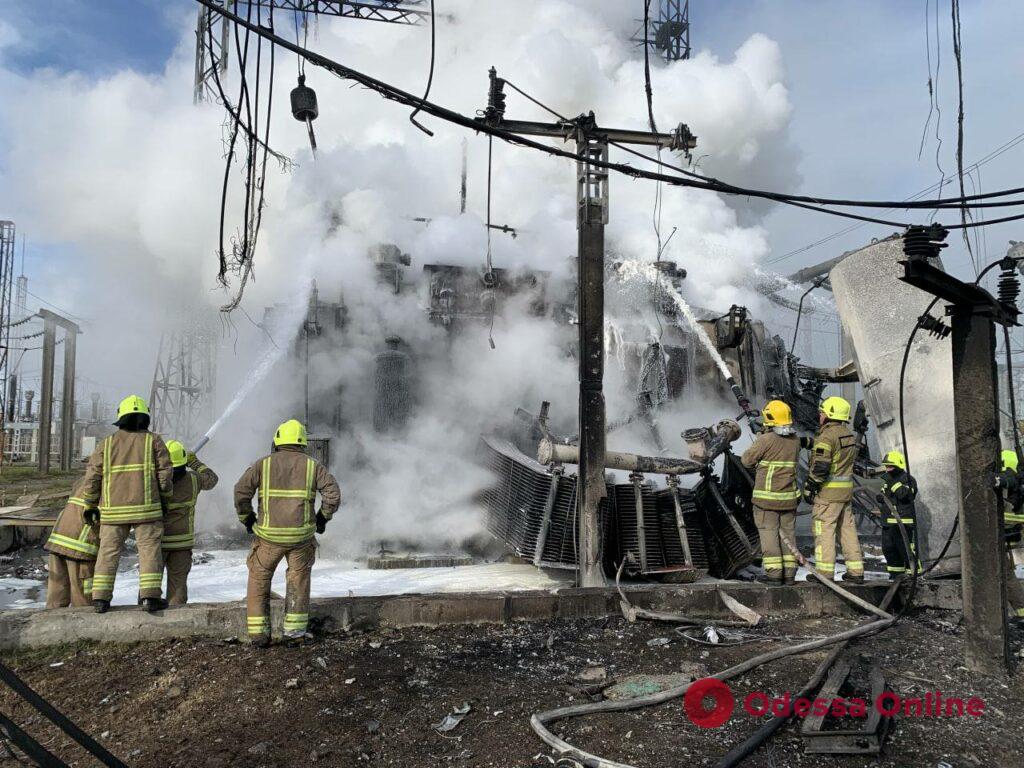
36, 628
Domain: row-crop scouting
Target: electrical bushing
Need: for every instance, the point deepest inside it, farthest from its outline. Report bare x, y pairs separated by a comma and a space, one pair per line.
304, 106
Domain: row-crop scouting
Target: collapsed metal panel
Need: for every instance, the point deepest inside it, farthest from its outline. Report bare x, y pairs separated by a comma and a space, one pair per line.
879, 311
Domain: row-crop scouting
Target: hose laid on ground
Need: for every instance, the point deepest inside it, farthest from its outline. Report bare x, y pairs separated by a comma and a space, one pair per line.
812, 573
541, 720
630, 613
748, 746
56, 717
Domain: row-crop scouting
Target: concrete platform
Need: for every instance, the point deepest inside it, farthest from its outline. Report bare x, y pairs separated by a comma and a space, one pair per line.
35, 628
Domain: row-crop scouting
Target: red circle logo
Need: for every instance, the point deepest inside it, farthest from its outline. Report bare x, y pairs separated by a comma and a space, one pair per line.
718, 692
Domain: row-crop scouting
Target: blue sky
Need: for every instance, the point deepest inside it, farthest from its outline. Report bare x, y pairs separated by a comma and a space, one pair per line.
92, 36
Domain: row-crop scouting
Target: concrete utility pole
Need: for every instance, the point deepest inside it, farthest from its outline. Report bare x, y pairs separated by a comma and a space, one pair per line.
67, 409
592, 214
974, 314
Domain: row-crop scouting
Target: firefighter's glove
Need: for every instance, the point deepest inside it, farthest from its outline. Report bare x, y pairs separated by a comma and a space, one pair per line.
880, 499
92, 517
998, 481
321, 522
249, 522
811, 489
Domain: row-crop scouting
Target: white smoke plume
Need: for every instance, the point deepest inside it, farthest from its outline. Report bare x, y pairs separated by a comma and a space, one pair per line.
126, 169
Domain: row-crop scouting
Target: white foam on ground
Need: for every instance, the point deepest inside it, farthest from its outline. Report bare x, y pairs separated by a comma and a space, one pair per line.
224, 578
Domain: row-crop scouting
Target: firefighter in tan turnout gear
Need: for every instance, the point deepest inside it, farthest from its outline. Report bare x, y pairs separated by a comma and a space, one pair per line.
72, 545
127, 476
829, 488
190, 477
286, 482
774, 454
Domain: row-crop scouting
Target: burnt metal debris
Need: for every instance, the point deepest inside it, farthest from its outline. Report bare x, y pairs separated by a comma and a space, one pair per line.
672, 533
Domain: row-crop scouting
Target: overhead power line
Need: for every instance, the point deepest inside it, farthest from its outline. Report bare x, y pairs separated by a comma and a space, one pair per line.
1005, 147
392, 93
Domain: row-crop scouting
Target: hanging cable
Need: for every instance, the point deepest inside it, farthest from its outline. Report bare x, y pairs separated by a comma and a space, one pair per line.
430, 76
958, 55
392, 93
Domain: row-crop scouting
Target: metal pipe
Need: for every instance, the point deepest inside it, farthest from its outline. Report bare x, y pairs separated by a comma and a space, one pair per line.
545, 523
684, 539
726, 432
549, 452
637, 479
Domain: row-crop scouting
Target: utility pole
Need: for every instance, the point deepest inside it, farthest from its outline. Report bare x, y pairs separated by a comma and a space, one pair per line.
67, 409
974, 313
592, 202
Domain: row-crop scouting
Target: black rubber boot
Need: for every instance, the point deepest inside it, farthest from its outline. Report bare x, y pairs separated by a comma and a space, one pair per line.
101, 606
853, 579
770, 580
260, 641
152, 604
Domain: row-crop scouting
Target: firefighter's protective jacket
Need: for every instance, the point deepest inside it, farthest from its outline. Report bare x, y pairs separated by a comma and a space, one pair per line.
900, 489
775, 457
127, 476
831, 465
1013, 497
71, 536
180, 520
286, 482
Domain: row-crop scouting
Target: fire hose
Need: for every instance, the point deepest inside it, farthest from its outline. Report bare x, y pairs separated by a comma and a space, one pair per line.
541, 720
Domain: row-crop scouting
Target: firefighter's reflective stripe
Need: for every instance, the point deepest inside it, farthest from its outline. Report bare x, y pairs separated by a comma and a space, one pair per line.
296, 622
258, 625
789, 560
1019, 612
771, 563
904, 520
839, 481
187, 540
1012, 519
895, 569
87, 586
895, 486
76, 544
855, 565
286, 534
149, 509
149, 580
767, 492
102, 582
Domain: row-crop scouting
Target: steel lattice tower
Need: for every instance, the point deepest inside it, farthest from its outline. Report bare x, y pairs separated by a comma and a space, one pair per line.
7, 236
211, 26
184, 384
669, 30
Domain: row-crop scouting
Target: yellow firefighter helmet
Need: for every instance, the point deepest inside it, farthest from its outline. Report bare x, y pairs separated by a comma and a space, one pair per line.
836, 408
179, 455
132, 404
1009, 460
292, 432
895, 459
777, 414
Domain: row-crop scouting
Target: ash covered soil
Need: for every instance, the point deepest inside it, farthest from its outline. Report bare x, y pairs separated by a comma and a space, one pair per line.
374, 698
